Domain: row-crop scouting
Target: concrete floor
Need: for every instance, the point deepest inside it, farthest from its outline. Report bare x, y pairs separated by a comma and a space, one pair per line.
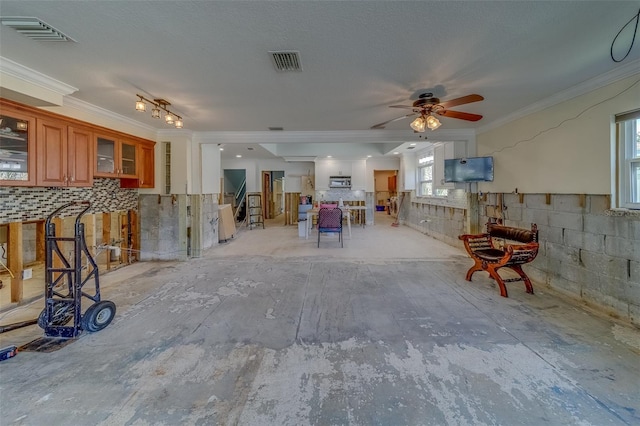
267, 329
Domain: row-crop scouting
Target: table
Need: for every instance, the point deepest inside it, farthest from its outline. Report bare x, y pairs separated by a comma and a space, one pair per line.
346, 213
359, 208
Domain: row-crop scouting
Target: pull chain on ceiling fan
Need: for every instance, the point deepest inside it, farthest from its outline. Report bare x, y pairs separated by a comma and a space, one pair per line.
427, 107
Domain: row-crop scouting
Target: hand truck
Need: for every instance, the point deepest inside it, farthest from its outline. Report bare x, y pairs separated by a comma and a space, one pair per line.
64, 283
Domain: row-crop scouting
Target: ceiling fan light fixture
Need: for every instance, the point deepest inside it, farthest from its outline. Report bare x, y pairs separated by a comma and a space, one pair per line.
432, 122
419, 124
427, 107
168, 118
178, 123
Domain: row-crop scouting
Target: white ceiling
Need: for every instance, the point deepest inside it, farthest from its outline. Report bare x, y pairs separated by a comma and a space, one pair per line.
210, 58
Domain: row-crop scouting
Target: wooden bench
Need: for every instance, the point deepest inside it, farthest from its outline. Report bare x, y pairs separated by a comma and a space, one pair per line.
489, 256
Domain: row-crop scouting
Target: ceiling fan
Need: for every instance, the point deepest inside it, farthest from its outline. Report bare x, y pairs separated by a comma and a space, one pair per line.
427, 107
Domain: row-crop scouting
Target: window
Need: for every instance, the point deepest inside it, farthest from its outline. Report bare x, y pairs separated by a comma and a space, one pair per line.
425, 174
628, 131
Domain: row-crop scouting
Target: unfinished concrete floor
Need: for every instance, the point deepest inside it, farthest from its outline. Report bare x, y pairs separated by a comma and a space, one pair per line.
267, 329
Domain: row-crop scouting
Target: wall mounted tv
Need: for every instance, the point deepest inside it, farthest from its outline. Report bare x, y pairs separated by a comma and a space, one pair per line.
473, 169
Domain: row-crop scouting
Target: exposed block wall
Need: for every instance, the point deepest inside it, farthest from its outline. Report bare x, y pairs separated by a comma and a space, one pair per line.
160, 227
441, 219
177, 227
586, 250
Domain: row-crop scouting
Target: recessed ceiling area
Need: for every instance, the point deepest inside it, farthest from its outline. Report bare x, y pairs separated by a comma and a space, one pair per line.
311, 151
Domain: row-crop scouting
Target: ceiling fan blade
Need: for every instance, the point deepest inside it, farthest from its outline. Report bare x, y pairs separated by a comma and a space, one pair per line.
461, 101
460, 115
384, 123
402, 106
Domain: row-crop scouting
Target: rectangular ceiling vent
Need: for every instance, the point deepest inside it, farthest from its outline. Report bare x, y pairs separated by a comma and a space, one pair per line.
34, 28
286, 60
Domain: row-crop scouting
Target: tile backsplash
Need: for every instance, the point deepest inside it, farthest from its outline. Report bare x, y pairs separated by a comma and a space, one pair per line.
21, 204
337, 194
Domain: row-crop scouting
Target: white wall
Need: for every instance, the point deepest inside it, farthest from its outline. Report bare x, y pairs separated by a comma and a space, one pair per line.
563, 149
181, 163
254, 170
210, 169
382, 163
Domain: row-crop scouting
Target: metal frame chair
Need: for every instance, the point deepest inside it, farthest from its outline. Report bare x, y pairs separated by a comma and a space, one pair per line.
330, 221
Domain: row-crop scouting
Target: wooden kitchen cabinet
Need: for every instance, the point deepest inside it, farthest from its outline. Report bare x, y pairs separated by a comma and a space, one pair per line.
115, 157
147, 165
17, 147
41, 148
63, 154
146, 168
80, 156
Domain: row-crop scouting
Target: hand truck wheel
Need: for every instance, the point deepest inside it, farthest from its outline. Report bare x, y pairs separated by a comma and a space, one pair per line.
98, 316
61, 314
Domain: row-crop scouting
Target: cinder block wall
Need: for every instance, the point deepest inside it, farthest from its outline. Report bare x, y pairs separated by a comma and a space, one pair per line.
162, 227
204, 223
587, 251
164, 220
443, 221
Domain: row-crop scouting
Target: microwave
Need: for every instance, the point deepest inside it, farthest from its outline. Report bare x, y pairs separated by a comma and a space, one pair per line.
339, 181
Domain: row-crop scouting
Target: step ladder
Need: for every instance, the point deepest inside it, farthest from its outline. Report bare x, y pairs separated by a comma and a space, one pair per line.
254, 210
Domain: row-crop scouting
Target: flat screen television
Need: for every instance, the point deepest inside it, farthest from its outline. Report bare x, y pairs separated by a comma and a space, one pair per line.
473, 169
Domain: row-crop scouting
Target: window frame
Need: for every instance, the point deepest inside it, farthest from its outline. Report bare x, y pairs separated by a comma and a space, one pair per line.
628, 143
426, 154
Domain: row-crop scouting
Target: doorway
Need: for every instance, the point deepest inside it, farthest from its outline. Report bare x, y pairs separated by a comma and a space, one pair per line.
273, 193
234, 189
386, 190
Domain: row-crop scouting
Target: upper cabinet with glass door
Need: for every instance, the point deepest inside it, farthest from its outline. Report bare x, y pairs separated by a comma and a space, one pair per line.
115, 157
17, 148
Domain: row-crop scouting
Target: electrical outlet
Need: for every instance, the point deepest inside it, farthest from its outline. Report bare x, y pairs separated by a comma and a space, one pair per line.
27, 274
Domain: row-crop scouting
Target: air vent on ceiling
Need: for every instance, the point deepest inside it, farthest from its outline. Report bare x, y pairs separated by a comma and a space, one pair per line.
34, 28
286, 60
276, 128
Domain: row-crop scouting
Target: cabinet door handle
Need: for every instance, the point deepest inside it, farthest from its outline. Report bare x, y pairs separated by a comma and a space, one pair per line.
73, 179
64, 178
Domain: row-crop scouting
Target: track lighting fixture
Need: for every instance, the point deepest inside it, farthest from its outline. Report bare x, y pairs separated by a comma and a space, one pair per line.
160, 105
141, 106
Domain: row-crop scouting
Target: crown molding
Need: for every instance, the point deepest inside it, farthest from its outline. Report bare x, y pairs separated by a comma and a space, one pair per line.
31, 76
167, 133
585, 87
86, 107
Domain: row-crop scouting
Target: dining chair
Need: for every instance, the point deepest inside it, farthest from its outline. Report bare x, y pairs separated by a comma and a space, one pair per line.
330, 221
